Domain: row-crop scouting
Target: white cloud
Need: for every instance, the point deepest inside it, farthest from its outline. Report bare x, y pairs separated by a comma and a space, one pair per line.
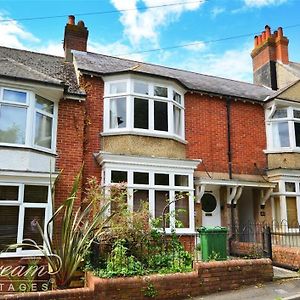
233, 64
117, 49
217, 11
144, 25
198, 46
52, 48
261, 3
12, 34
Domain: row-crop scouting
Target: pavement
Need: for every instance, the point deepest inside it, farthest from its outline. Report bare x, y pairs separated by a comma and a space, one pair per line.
286, 286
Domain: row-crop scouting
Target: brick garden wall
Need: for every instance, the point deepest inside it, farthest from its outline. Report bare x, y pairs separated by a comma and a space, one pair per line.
206, 133
288, 256
206, 279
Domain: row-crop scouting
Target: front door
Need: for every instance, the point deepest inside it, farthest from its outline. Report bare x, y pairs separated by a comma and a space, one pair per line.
211, 212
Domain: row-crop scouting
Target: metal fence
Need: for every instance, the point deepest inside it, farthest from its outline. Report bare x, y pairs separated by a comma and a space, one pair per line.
283, 233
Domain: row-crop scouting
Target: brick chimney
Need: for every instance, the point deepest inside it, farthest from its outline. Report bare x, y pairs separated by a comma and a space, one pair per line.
75, 38
269, 48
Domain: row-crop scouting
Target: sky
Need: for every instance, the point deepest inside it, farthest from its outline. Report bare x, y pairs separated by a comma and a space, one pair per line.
213, 37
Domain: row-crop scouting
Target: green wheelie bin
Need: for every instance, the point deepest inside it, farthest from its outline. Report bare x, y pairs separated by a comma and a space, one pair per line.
213, 242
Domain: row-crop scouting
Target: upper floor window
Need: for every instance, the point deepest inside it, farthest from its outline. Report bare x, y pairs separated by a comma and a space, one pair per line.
284, 128
26, 119
143, 107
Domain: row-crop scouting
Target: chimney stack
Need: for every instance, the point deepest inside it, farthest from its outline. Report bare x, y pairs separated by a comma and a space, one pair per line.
269, 48
75, 37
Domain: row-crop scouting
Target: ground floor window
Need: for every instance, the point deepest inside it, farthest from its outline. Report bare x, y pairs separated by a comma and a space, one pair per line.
286, 203
157, 188
22, 208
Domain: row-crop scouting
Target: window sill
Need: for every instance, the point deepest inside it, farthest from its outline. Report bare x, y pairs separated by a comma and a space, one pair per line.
279, 151
27, 148
156, 135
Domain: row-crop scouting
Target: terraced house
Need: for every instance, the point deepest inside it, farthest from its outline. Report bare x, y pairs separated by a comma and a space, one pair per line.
231, 147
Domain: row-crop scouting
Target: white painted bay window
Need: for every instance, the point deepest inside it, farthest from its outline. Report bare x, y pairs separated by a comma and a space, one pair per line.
143, 107
22, 208
286, 203
155, 182
283, 129
27, 119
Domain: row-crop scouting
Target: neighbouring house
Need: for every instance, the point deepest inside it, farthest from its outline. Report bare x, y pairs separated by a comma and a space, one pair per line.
162, 130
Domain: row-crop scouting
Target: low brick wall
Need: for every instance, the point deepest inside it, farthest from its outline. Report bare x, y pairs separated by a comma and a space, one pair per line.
206, 278
285, 256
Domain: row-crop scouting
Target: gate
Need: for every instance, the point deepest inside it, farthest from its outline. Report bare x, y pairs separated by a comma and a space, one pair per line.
251, 240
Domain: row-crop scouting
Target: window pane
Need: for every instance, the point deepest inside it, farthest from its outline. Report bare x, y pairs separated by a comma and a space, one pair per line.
291, 208
297, 114
36, 194
161, 179
8, 225
160, 116
281, 134
43, 131
181, 180
118, 87
161, 200
141, 88
12, 124
118, 176
8, 193
182, 209
140, 198
277, 210
140, 178
44, 104
280, 113
161, 91
14, 96
141, 113
117, 113
290, 187
33, 218
177, 120
176, 97
297, 134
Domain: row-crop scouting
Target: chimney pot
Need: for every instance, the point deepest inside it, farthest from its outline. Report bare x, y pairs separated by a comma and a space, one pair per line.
259, 39
280, 32
263, 36
80, 23
71, 20
255, 41
276, 33
268, 31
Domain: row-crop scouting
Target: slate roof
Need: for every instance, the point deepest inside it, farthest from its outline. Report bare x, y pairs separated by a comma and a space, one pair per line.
104, 65
39, 67
295, 68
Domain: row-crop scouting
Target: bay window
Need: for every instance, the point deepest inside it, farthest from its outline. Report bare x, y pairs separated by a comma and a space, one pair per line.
283, 129
286, 203
156, 189
26, 119
23, 207
143, 107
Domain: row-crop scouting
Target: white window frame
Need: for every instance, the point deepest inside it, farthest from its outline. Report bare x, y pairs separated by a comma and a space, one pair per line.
31, 119
22, 206
130, 95
152, 166
282, 194
289, 119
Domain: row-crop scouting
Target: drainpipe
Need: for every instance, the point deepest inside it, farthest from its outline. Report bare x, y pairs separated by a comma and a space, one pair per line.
229, 152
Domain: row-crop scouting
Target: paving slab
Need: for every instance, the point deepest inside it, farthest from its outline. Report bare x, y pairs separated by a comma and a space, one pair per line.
280, 273
276, 290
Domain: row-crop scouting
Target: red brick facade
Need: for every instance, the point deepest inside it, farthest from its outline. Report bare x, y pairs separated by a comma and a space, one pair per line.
206, 133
